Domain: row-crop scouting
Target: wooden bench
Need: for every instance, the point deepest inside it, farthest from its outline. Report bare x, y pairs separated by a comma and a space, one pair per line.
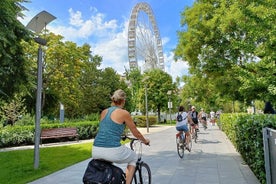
58, 133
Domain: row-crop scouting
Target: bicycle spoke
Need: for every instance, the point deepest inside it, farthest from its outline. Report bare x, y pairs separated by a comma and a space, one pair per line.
180, 148
145, 174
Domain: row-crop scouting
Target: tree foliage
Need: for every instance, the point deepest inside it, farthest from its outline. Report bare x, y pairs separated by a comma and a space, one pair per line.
12, 63
158, 83
229, 46
71, 76
11, 111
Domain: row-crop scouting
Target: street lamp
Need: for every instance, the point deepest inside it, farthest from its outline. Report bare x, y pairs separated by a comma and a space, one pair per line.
170, 105
61, 113
146, 101
37, 23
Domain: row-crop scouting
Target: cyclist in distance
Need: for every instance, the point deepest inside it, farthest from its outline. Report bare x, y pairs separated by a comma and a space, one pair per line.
107, 144
194, 115
183, 125
203, 118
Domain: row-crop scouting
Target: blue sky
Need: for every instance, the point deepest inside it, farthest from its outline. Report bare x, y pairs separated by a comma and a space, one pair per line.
103, 24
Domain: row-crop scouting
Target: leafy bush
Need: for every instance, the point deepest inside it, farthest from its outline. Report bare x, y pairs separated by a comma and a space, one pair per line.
26, 119
245, 132
11, 111
18, 135
92, 117
141, 121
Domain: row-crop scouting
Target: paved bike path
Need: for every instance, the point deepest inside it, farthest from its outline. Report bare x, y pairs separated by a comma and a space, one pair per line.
213, 160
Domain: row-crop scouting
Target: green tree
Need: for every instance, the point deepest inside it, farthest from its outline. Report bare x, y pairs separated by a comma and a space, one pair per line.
62, 71
223, 41
134, 78
12, 61
12, 110
158, 83
98, 90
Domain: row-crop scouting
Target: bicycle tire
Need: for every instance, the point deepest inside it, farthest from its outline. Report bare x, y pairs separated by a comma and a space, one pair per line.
180, 147
143, 174
196, 136
190, 145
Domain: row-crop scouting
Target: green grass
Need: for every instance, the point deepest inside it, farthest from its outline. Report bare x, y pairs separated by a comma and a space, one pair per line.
17, 166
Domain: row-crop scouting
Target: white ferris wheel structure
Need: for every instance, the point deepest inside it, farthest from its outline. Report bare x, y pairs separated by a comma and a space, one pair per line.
145, 49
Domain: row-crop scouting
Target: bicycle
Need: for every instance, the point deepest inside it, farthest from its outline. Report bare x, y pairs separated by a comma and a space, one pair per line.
194, 133
181, 143
142, 173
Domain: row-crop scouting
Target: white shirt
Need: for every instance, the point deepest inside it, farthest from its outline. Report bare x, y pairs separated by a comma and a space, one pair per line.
184, 119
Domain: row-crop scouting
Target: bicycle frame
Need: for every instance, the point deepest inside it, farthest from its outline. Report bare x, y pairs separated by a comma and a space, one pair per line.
140, 165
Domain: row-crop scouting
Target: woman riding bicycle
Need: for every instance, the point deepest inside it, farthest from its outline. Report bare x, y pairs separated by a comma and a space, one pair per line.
107, 143
183, 125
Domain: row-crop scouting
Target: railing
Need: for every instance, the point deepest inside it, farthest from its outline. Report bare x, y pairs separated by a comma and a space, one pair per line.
269, 140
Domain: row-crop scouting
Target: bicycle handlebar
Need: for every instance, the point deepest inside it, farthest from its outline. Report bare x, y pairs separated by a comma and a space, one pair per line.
124, 137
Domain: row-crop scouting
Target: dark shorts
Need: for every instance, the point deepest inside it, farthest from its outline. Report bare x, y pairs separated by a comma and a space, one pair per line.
204, 118
195, 121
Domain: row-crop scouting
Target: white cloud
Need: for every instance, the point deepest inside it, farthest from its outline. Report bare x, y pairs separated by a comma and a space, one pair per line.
109, 40
175, 68
82, 30
75, 18
114, 50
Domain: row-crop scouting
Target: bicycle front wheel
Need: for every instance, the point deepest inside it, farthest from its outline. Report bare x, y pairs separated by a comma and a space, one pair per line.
142, 175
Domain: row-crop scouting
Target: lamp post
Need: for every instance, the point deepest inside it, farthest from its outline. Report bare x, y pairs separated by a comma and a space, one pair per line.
146, 102
38, 23
61, 113
170, 105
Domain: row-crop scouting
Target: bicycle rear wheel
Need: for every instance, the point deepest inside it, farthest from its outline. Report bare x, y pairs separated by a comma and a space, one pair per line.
196, 136
180, 147
142, 175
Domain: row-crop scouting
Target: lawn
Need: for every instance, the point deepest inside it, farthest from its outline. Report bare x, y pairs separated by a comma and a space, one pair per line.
17, 167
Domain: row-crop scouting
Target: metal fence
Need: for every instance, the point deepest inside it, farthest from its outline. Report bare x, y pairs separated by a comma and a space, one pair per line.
269, 139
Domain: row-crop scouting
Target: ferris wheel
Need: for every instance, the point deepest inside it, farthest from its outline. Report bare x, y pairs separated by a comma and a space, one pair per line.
144, 43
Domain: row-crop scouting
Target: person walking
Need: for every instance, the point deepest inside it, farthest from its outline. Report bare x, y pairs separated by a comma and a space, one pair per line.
107, 144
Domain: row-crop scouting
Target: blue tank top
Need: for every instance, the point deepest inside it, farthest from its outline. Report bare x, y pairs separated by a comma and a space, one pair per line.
109, 134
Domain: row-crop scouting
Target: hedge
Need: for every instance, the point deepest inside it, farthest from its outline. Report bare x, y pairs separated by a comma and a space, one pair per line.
140, 121
245, 132
19, 135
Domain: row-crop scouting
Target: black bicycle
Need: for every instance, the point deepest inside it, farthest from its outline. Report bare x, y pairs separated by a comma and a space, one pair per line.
142, 174
181, 145
98, 171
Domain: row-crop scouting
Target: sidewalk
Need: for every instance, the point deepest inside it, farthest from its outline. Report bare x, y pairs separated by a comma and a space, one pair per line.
213, 160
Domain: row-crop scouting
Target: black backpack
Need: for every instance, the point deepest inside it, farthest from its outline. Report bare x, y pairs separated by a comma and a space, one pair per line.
103, 172
179, 117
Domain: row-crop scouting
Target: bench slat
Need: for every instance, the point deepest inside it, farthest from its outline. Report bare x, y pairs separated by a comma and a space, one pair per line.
58, 133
